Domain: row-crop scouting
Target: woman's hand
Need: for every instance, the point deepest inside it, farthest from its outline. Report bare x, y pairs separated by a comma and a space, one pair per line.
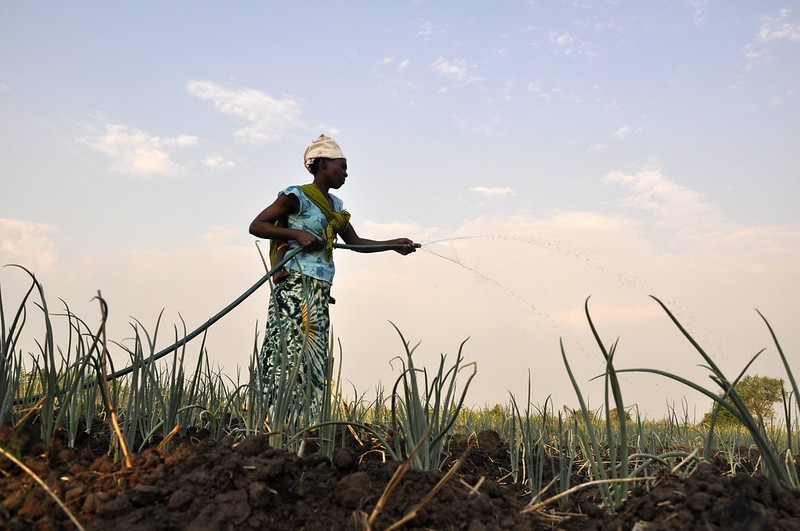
308, 241
408, 246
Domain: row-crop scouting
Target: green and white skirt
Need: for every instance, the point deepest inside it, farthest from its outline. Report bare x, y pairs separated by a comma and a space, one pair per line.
297, 332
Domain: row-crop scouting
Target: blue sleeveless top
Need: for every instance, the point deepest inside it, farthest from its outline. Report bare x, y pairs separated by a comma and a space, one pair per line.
312, 220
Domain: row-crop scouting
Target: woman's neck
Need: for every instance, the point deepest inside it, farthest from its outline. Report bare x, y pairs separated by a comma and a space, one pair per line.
323, 187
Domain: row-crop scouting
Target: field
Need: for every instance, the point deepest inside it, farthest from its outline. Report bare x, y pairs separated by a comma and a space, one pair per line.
160, 446
206, 484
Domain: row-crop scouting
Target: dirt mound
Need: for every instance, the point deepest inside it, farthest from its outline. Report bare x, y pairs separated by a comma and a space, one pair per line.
708, 499
205, 484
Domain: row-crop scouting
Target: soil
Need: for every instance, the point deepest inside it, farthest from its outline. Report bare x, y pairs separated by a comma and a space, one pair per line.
206, 484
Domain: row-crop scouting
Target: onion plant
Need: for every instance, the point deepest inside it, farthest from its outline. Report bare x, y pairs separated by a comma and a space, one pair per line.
11, 370
565, 455
783, 473
533, 437
622, 468
424, 412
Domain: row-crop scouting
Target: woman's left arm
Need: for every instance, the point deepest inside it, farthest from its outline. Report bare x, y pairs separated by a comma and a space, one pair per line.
351, 238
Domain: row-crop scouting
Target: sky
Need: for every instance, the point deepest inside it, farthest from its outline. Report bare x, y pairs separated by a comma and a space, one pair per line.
543, 152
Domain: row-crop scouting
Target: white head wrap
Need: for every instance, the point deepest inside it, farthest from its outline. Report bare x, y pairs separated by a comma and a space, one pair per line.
323, 147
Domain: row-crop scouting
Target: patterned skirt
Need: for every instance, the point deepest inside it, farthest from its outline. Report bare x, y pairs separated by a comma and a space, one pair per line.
297, 332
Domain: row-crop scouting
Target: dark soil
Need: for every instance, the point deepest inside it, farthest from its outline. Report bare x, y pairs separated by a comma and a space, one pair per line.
205, 484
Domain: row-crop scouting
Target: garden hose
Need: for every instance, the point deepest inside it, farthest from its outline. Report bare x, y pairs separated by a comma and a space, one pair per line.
219, 315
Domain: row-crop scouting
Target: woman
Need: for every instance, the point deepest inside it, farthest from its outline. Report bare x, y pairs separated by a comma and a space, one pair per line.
308, 217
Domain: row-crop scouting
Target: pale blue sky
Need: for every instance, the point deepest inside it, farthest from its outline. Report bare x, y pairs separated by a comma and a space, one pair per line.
625, 148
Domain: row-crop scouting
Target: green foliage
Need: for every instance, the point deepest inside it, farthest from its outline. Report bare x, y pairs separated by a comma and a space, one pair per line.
425, 410
782, 473
724, 417
759, 394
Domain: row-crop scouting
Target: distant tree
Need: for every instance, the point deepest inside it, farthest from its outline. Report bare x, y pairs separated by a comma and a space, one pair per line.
759, 394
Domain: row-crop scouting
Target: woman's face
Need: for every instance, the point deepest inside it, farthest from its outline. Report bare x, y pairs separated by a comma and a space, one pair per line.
336, 172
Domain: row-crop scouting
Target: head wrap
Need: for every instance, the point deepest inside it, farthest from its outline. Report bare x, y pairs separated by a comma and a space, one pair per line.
323, 147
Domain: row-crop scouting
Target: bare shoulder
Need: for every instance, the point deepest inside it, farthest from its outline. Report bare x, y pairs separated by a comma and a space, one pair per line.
288, 203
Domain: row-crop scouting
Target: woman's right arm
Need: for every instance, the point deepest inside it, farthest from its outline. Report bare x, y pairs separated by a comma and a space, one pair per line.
263, 226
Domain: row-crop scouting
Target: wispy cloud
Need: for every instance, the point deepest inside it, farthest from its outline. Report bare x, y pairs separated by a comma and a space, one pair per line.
425, 27
390, 74
134, 151
32, 245
479, 125
698, 9
772, 28
457, 70
401, 65
623, 131
570, 45
538, 90
269, 119
753, 53
218, 235
492, 191
777, 101
215, 162
779, 27
676, 208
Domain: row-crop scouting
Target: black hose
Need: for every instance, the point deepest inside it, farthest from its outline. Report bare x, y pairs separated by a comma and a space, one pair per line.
220, 314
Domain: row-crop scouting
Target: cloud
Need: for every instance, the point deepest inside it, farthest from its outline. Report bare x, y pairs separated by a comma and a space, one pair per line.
134, 151
215, 162
217, 235
458, 71
269, 119
181, 141
777, 28
401, 65
563, 40
570, 45
771, 29
676, 208
424, 27
31, 245
492, 192
781, 100
699, 9
753, 54
454, 69
538, 90
478, 126
624, 130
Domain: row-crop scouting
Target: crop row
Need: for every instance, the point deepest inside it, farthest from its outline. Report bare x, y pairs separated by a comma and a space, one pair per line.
72, 387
